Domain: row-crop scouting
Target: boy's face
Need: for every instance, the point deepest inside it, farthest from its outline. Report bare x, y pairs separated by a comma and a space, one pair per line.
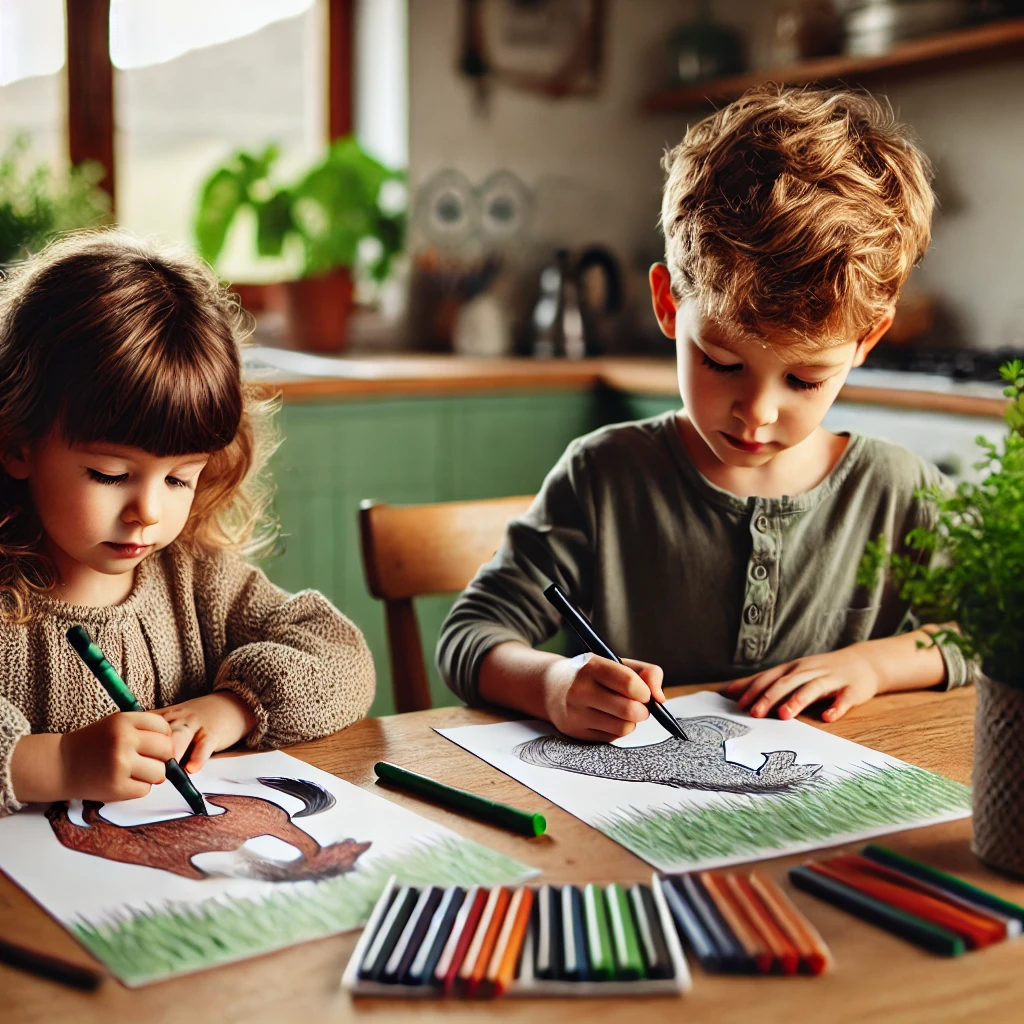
749, 402
104, 507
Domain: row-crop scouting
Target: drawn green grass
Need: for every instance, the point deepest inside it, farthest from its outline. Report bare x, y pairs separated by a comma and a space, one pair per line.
872, 798
142, 945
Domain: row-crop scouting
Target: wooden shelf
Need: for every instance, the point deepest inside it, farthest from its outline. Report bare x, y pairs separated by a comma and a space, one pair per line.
963, 48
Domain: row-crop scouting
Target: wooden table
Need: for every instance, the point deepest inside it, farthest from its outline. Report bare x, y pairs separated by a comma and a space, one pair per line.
877, 976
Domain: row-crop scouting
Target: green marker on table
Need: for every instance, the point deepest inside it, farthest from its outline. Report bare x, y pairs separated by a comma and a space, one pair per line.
514, 820
96, 662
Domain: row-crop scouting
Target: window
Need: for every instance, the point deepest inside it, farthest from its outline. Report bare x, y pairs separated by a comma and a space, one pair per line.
33, 78
194, 81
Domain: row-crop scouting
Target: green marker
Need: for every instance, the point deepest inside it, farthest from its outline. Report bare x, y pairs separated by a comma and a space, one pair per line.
125, 700
514, 820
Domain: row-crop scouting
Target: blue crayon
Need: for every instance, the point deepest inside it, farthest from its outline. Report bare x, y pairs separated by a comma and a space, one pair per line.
422, 969
411, 939
734, 956
575, 962
690, 928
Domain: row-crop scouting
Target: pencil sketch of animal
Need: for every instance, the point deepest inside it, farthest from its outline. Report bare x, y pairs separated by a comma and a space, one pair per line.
171, 844
697, 762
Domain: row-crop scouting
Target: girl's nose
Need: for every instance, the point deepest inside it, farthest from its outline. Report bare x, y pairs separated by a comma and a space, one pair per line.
144, 510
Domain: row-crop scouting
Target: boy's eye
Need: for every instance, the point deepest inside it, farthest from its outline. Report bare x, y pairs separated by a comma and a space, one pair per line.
719, 367
805, 385
105, 478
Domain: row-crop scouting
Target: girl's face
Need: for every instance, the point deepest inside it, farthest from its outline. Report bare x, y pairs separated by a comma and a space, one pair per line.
105, 507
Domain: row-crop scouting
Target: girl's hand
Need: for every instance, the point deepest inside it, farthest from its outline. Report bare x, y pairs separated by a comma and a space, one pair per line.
120, 757
850, 674
593, 698
206, 724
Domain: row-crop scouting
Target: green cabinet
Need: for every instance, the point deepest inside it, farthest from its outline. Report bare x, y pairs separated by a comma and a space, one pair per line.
404, 451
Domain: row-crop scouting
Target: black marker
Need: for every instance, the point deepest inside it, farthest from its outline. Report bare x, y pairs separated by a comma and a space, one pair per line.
585, 631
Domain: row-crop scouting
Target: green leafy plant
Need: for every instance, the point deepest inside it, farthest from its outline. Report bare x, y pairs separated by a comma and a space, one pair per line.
968, 568
35, 205
333, 207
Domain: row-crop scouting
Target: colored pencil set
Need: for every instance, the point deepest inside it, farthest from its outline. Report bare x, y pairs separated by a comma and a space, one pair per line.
743, 924
521, 941
933, 909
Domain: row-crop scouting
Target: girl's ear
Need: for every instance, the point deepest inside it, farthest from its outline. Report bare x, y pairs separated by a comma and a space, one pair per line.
15, 463
663, 299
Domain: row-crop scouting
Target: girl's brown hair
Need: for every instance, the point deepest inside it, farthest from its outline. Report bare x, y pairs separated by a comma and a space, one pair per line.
108, 338
796, 212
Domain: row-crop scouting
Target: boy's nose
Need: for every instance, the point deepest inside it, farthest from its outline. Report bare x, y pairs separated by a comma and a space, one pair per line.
756, 410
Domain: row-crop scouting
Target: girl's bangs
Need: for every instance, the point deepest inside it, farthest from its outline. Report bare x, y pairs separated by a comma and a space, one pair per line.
166, 410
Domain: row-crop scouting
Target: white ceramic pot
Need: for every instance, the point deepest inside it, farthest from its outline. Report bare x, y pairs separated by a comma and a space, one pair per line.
998, 779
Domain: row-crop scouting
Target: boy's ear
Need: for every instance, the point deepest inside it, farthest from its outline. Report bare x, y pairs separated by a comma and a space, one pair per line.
15, 463
663, 299
871, 339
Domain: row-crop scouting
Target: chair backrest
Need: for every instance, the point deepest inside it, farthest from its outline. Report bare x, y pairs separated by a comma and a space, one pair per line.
414, 550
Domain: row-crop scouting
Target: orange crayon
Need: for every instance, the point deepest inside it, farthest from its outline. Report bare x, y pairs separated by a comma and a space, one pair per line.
502, 968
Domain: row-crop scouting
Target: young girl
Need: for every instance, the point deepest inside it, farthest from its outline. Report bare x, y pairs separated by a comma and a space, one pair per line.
131, 454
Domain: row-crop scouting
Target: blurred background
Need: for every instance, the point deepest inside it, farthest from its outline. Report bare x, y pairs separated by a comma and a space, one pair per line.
441, 214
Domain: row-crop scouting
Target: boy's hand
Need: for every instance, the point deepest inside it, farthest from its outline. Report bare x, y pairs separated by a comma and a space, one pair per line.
850, 674
120, 757
592, 698
206, 724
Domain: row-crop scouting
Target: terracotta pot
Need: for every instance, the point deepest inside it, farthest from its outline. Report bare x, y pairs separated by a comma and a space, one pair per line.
317, 309
998, 780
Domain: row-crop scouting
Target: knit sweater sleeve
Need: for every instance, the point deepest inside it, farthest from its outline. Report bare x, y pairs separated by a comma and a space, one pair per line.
13, 726
301, 666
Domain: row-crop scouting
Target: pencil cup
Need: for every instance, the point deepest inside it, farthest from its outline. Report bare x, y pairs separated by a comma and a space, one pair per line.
998, 780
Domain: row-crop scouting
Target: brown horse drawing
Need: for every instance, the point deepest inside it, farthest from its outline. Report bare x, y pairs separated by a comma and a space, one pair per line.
170, 845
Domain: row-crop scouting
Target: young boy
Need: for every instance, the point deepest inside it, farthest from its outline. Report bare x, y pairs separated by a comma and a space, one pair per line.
722, 542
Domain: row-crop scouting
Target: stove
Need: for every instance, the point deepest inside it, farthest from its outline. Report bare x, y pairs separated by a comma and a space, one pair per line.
958, 364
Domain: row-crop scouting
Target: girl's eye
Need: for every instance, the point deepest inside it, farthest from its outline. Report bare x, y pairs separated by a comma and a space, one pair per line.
805, 385
719, 367
105, 478
175, 482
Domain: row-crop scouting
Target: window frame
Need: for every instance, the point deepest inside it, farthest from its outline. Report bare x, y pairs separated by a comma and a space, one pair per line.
90, 81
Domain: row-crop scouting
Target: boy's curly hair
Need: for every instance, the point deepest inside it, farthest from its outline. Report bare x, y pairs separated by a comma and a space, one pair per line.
105, 337
796, 211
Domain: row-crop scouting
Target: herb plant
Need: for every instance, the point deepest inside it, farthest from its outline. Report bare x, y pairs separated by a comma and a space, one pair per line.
35, 205
331, 209
968, 568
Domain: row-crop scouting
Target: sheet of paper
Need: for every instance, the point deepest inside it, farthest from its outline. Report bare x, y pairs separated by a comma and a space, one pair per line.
289, 853
736, 789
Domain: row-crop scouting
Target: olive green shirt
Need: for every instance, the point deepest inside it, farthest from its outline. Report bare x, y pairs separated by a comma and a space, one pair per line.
672, 569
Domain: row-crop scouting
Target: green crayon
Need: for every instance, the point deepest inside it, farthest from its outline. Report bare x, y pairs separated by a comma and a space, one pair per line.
96, 662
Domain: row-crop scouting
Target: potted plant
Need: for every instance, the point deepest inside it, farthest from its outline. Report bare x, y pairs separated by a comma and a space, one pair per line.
330, 212
35, 205
969, 570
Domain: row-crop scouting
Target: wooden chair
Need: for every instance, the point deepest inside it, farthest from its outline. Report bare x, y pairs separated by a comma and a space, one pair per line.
413, 550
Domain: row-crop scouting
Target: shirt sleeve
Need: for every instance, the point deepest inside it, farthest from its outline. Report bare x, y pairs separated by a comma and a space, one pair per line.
553, 542
13, 726
302, 667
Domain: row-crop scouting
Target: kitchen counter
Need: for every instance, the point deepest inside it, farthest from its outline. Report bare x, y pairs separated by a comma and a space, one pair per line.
301, 376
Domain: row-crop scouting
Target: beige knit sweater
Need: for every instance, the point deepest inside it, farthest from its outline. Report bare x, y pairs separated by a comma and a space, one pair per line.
188, 627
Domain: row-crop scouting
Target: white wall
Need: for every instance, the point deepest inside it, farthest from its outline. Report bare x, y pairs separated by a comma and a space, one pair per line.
594, 162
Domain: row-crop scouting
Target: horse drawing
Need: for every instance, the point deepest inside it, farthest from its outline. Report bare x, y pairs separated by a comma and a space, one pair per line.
697, 762
171, 844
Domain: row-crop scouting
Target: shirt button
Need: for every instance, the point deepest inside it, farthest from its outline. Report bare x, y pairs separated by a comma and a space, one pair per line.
761, 522
753, 613
760, 572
